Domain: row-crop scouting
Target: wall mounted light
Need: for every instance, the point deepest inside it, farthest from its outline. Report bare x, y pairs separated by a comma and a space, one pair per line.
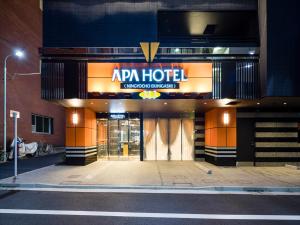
226, 118
75, 118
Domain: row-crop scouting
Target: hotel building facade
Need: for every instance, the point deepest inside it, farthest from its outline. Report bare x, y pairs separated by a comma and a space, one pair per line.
174, 80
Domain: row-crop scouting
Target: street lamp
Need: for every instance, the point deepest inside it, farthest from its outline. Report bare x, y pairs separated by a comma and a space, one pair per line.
20, 54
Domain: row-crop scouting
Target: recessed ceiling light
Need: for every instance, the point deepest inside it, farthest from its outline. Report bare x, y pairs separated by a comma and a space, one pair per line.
105, 103
165, 103
205, 103
285, 103
91, 103
257, 103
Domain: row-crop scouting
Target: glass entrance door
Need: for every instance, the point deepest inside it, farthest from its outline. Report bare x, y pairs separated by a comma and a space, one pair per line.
134, 138
119, 139
123, 139
113, 139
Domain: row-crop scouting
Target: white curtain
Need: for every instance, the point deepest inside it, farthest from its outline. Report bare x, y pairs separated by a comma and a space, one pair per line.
149, 139
162, 139
187, 139
176, 134
175, 139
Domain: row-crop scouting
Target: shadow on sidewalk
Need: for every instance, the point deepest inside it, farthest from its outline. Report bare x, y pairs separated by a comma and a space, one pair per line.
29, 164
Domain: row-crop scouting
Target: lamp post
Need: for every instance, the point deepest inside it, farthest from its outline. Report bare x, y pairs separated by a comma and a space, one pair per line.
19, 54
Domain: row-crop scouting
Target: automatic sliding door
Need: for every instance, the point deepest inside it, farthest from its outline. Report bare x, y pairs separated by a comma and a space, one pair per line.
134, 138
124, 137
113, 139
102, 138
119, 138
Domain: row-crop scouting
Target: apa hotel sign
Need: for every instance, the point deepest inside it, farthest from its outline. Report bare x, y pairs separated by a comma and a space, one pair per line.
148, 78
194, 77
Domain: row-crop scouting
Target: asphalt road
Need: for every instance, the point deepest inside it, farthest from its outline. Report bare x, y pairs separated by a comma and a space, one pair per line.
28, 164
144, 209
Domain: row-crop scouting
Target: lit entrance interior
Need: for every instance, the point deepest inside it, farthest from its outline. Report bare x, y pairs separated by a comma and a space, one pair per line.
118, 139
127, 136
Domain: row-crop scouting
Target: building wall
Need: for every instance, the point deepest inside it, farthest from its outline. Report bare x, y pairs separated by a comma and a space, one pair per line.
262, 18
220, 139
268, 138
95, 23
199, 137
21, 26
81, 137
82, 134
283, 46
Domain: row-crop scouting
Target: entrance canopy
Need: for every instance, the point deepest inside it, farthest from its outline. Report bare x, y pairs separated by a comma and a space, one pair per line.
174, 105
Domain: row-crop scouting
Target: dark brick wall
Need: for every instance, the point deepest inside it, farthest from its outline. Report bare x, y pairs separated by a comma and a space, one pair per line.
21, 26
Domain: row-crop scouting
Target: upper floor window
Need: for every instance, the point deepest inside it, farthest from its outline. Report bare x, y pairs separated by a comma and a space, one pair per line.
41, 124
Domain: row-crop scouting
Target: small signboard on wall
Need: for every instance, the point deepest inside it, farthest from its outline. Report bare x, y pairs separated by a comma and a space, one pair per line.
12, 112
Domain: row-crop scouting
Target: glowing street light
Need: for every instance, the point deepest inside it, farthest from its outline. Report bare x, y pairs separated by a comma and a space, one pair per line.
19, 53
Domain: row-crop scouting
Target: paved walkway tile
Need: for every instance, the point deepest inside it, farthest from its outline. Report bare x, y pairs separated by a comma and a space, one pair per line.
160, 173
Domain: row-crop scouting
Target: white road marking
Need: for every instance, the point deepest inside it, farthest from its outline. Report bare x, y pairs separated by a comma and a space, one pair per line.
151, 215
253, 191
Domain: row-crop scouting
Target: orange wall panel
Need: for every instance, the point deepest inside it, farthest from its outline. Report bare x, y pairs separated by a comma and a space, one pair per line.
80, 137
217, 134
213, 137
69, 112
70, 137
221, 137
232, 117
207, 137
231, 137
88, 136
214, 116
81, 117
84, 133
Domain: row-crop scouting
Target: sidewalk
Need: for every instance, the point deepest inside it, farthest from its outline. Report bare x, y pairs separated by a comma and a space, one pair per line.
159, 174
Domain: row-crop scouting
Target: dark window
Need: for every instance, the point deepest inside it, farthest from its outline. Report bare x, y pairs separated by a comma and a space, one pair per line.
33, 120
46, 125
41, 124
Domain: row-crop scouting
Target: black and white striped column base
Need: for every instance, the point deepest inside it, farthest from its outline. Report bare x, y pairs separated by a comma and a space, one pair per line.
220, 156
81, 155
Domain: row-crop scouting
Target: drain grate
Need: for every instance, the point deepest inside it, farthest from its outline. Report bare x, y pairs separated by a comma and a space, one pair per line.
183, 184
70, 182
73, 176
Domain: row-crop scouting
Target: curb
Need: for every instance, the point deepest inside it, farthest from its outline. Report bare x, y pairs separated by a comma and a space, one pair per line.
249, 189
